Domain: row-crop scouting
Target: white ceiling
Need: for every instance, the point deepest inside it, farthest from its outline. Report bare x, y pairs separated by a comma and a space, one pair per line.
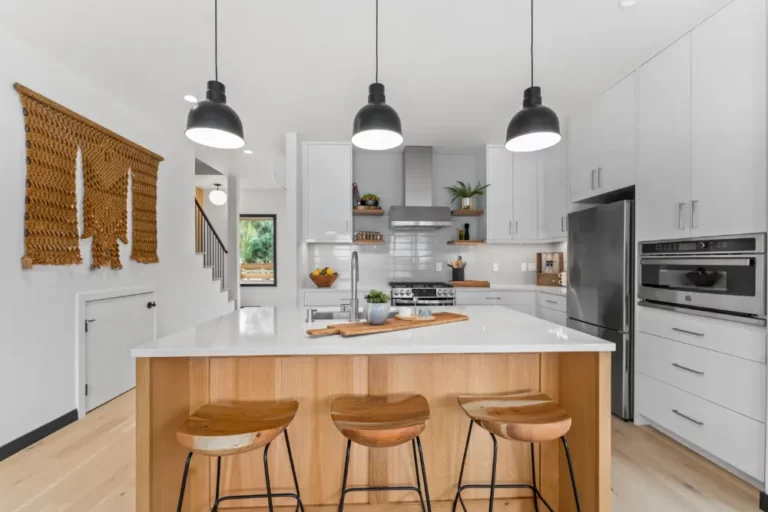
454, 69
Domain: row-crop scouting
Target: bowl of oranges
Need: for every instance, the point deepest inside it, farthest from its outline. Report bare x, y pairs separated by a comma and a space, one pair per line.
323, 277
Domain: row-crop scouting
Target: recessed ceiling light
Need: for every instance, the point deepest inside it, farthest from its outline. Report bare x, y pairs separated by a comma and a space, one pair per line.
247, 151
626, 4
190, 98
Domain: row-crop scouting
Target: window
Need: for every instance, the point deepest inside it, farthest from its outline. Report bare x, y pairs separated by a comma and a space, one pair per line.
258, 242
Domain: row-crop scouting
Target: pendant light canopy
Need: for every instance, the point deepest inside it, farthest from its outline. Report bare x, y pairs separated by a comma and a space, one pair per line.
535, 127
212, 122
217, 197
377, 125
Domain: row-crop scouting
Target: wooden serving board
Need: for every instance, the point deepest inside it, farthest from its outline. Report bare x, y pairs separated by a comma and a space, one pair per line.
392, 324
471, 284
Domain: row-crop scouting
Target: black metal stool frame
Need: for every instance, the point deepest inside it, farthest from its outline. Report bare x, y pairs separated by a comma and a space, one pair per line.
414, 444
269, 494
493, 485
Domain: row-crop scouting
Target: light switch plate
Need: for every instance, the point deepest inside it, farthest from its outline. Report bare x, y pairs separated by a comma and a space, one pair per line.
531, 267
495, 267
438, 266
523, 266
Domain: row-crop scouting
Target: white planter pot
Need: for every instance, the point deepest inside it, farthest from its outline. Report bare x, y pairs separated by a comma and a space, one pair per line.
376, 314
466, 203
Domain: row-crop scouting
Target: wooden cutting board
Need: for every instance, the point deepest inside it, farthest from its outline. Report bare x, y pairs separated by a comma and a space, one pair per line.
392, 324
471, 284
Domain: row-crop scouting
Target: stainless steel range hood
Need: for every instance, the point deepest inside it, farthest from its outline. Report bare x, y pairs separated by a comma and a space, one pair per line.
418, 212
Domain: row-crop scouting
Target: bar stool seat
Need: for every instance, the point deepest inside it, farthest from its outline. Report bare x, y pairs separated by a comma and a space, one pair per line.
530, 417
380, 421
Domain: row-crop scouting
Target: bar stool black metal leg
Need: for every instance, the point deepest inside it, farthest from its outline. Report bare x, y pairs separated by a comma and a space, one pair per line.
344, 480
184, 482
573, 478
266, 478
218, 483
418, 479
424, 474
461, 472
299, 504
533, 477
493, 471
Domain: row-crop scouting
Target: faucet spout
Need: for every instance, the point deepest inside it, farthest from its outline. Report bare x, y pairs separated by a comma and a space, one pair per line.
355, 275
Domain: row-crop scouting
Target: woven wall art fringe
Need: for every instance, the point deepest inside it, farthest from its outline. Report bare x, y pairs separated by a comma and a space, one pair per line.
54, 134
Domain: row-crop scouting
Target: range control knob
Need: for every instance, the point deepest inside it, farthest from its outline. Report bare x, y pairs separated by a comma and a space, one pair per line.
409, 292
451, 292
701, 246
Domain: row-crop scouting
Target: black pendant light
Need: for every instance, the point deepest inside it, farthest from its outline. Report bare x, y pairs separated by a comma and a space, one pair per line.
212, 122
377, 125
535, 127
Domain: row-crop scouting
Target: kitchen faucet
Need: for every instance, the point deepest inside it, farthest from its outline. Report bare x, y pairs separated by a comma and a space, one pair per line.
355, 274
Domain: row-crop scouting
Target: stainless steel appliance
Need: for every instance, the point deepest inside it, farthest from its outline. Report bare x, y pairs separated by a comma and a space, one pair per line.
422, 294
600, 289
418, 213
708, 276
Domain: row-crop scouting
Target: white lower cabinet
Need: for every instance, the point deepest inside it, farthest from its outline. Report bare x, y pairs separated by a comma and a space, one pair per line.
524, 302
731, 437
552, 315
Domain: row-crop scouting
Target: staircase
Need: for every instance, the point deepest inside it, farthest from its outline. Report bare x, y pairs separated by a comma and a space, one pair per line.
209, 247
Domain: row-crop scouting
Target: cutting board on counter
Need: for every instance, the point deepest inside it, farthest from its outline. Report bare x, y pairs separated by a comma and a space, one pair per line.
471, 284
392, 324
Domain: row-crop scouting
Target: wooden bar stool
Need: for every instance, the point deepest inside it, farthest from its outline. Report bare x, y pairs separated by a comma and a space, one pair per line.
383, 422
529, 417
230, 428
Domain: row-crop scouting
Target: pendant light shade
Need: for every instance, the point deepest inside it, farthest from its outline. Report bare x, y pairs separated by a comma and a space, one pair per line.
212, 122
377, 125
535, 127
217, 197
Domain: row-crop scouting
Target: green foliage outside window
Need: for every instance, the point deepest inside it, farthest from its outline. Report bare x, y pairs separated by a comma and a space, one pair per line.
257, 240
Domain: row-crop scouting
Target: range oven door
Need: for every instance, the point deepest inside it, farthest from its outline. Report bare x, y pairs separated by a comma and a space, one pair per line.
729, 283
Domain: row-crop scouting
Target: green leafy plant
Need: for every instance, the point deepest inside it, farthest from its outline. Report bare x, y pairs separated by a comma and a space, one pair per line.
377, 297
465, 190
370, 197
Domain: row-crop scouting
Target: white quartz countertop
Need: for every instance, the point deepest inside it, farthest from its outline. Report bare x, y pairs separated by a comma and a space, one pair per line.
271, 331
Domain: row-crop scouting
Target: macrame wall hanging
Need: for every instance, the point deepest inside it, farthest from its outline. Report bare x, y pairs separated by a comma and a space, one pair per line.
54, 133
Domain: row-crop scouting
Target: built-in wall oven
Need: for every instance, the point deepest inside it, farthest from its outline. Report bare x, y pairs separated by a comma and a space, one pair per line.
715, 276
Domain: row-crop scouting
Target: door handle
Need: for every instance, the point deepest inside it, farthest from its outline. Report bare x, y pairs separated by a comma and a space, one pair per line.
562, 224
517, 228
688, 332
694, 220
550, 301
680, 221
510, 228
493, 298
599, 177
593, 178
681, 367
151, 304
699, 423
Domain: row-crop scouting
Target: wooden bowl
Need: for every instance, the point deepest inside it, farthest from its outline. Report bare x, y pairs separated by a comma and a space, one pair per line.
323, 281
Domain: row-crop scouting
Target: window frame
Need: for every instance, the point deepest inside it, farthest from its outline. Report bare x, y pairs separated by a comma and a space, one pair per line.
254, 216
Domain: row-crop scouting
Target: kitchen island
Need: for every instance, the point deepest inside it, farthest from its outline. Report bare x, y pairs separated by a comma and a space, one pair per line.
264, 353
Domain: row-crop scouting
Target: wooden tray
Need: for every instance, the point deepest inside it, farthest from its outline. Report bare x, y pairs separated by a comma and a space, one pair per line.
471, 284
393, 324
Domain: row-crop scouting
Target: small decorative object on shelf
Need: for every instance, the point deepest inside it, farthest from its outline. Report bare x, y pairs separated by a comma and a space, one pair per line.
461, 234
466, 232
458, 268
323, 277
356, 194
548, 266
370, 200
465, 192
369, 238
376, 307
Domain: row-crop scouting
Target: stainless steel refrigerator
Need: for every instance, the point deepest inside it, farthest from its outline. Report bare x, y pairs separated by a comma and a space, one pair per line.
600, 288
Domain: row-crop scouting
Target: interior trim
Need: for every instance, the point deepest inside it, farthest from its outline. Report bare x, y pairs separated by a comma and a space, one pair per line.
36, 435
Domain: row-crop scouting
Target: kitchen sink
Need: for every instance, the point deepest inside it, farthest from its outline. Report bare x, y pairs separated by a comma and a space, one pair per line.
331, 315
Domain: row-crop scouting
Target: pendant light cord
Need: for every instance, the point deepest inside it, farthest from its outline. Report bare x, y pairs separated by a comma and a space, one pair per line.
216, 37
377, 41
531, 43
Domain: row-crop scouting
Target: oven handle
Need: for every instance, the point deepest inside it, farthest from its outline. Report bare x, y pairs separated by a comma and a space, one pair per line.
719, 261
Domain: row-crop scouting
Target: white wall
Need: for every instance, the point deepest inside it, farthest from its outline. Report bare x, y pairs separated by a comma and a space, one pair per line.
37, 349
218, 216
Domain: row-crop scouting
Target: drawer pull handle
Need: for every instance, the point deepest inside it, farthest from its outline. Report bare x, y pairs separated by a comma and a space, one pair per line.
550, 301
699, 423
493, 298
688, 332
688, 369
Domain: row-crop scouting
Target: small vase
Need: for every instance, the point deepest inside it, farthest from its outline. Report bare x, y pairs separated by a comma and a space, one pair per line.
376, 314
466, 203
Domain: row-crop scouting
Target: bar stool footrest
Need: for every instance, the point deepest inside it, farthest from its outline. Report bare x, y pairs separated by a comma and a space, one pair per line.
380, 488
535, 490
257, 496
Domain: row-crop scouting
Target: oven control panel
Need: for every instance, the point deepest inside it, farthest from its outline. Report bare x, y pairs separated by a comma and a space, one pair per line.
728, 245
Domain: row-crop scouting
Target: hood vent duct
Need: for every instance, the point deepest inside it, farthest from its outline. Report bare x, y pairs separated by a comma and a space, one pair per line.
418, 212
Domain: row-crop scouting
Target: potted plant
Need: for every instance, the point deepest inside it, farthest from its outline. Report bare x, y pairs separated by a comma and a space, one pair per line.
465, 192
370, 200
376, 307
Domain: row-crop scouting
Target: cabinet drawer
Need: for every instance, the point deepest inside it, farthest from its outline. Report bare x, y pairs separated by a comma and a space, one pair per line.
490, 298
729, 436
551, 301
736, 339
552, 315
732, 382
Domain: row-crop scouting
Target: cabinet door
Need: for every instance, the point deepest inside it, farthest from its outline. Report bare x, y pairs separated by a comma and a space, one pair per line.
728, 113
663, 190
499, 202
327, 170
617, 110
582, 155
553, 201
526, 214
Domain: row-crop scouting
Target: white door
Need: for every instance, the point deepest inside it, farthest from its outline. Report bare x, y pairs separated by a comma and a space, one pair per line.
526, 169
663, 191
499, 197
553, 191
328, 192
728, 113
617, 110
114, 327
582, 155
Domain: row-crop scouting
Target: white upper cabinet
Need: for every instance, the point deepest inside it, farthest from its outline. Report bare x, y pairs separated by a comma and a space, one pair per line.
327, 192
663, 188
583, 154
553, 191
499, 205
728, 121
617, 110
526, 195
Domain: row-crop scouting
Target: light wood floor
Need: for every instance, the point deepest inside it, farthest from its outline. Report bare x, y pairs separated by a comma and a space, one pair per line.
89, 466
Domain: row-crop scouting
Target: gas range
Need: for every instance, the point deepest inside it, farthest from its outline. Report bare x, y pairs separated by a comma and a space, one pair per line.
422, 294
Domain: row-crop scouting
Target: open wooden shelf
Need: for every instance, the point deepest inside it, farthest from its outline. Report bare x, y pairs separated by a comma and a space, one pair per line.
466, 242
367, 242
467, 213
378, 212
